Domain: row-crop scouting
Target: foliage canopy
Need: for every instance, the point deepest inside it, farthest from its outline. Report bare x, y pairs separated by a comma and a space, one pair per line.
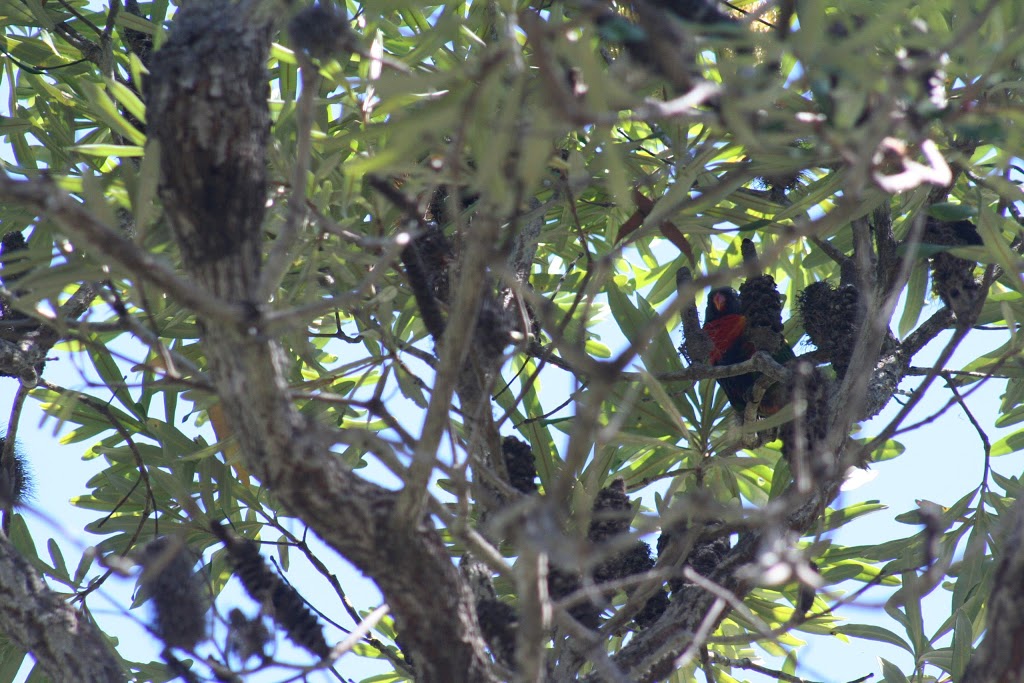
364, 290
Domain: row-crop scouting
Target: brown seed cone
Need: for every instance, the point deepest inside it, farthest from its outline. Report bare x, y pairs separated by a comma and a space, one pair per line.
653, 609
562, 583
499, 623
494, 327
953, 278
804, 436
831, 318
176, 591
612, 513
761, 304
522, 471
697, 345
703, 557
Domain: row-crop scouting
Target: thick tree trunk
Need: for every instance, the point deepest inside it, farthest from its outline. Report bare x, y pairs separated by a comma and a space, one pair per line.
1000, 657
65, 644
207, 101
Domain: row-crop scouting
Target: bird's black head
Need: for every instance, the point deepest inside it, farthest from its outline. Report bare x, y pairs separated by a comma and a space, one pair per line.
721, 302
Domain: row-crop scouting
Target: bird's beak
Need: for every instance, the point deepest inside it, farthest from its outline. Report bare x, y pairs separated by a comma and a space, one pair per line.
719, 301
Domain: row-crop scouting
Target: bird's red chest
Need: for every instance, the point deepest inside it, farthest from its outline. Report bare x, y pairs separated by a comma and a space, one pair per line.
727, 334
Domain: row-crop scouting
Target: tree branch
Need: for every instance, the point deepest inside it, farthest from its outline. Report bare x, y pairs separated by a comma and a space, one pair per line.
208, 101
66, 644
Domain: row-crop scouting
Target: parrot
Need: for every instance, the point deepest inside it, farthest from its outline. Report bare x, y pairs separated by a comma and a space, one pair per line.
728, 329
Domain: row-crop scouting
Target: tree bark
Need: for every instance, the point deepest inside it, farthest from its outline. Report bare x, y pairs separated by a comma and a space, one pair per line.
1000, 657
65, 644
207, 101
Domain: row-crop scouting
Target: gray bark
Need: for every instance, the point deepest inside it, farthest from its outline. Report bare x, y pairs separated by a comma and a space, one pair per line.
1000, 657
65, 644
207, 99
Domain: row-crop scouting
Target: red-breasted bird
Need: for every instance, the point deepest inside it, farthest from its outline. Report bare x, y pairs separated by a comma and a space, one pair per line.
728, 329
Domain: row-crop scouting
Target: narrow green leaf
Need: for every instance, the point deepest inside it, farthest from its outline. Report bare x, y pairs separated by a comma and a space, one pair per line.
914, 298
111, 150
963, 645
127, 98
1008, 444
872, 632
891, 673
59, 566
107, 111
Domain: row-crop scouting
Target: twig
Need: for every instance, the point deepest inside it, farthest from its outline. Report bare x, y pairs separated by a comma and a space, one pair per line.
43, 195
281, 255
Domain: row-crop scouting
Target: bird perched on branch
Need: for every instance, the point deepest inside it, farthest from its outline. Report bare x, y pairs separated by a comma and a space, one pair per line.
728, 325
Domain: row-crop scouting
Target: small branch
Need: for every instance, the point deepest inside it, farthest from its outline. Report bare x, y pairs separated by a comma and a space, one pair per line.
281, 255
43, 195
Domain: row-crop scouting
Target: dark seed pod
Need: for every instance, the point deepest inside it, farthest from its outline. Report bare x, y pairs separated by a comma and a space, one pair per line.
321, 31
301, 625
705, 555
10, 245
426, 261
953, 277
499, 624
761, 304
282, 603
562, 583
252, 570
805, 596
247, 638
441, 201
804, 436
436, 254
653, 609
493, 328
519, 462
176, 591
635, 560
696, 346
612, 513
15, 479
831, 319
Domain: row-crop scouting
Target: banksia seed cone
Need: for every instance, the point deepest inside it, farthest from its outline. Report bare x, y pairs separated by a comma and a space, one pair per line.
953, 277
499, 623
436, 254
247, 638
15, 480
286, 606
803, 437
704, 557
696, 346
321, 31
522, 472
301, 625
761, 304
612, 513
562, 583
493, 327
831, 318
176, 591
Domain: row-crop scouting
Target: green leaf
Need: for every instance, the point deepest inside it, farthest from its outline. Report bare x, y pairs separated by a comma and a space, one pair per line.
914, 301
107, 111
891, 673
60, 569
963, 645
109, 150
872, 632
1008, 444
951, 211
